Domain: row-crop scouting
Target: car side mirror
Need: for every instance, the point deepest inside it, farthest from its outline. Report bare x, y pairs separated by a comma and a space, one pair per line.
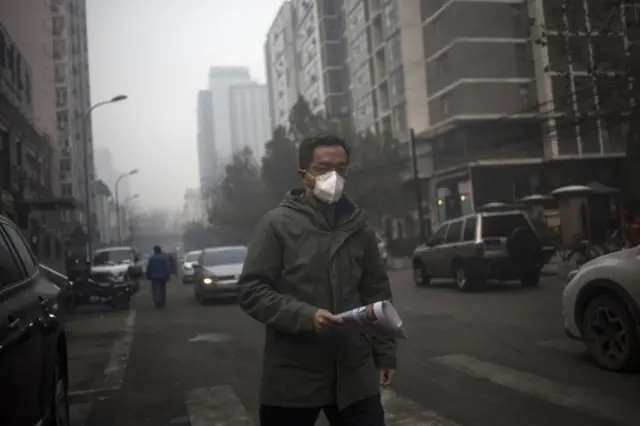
136, 258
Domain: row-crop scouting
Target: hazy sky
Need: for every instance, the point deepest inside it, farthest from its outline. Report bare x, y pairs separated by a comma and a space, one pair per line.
158, 52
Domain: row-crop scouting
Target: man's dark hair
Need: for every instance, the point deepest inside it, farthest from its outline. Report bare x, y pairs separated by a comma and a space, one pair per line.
308, 145
157, 249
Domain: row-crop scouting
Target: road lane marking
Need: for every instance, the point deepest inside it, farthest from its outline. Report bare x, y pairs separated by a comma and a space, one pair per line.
216, 406
399, 411
79, 414
114, 373
579, 398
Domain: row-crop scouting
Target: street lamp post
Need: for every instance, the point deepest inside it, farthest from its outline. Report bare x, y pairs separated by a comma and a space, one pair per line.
87, 188
122, 176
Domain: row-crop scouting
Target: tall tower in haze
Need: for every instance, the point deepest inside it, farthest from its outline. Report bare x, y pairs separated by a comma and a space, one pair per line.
221, 79
207, 156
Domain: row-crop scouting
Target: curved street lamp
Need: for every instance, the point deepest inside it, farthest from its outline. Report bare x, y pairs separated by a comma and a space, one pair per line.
87, 190
122, 176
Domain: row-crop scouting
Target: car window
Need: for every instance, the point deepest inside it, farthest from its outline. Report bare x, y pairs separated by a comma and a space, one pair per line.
502, 225
455, 229
224, 256
469, 232
22, 249
192, 257
111, 257
438, 237
10, 271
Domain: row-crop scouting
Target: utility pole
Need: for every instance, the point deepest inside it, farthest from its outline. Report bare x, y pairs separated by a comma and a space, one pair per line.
417, 187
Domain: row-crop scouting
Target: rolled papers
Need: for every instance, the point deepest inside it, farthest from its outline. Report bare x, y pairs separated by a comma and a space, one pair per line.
381, 315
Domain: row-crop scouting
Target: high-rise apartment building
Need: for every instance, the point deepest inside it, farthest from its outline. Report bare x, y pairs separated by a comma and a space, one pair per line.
281, 59
249, 115
505, 80
306, 56
29, 23
385, 56
71, 77
220, 80
207, 156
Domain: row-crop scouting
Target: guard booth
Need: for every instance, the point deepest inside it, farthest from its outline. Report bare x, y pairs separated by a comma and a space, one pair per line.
588, 212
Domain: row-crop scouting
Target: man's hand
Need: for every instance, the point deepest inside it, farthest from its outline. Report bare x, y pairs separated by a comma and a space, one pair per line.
386, 376
325, 319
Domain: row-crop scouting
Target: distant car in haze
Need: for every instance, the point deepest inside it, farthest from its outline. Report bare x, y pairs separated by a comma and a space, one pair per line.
187, 266
217, 272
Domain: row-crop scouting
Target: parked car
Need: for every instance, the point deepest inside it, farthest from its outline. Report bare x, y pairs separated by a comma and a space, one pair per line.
187, 266
33, 345
217, 271
66, 298
474, 248
117, 264
601, 307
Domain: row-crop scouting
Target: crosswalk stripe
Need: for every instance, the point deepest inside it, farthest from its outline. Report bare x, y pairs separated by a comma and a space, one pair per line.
79, 414
405, 412
579, 398
216, 406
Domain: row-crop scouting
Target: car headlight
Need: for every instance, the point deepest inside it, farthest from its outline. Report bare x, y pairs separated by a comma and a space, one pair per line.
119, 276
208, 280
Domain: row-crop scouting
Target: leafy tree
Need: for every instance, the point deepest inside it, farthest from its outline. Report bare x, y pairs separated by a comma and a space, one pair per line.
238, 200
303, 123
279, 166
376, 169
197, 236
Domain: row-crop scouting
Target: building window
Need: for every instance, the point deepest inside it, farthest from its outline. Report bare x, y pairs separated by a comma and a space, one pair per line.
524, 92
63, 120
61, 73
445, 101
67, 190
442, 64
59, 49
58, 25
61, 97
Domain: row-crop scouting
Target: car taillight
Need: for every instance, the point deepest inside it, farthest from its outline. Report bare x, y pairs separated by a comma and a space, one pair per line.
479, 249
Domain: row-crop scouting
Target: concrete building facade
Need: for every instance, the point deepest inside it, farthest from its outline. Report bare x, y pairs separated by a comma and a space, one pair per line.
281, 59
30, 24
249, 116
207, 156
73, 100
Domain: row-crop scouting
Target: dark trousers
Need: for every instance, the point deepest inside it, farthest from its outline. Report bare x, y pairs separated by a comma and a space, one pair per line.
367, 412
159, 293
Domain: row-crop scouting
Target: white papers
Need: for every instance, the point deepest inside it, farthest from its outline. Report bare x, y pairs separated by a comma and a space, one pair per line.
381, 315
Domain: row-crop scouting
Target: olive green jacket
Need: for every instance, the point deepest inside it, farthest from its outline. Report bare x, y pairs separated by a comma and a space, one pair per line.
298, 263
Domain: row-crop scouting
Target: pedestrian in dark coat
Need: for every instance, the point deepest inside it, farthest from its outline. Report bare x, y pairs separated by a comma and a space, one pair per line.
312, 257
159, 272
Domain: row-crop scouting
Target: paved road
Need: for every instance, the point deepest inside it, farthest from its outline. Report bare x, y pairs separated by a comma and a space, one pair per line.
494, 358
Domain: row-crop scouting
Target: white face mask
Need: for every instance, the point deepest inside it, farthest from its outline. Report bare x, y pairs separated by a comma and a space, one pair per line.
328, 187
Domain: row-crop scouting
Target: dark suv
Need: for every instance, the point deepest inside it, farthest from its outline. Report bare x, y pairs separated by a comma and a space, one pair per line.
472, 249
33, 348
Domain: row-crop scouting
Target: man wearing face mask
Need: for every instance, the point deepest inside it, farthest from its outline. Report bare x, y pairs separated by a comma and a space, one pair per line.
311, 257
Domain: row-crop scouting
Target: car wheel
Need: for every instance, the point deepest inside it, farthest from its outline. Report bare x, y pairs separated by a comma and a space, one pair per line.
530, 278
420, 276
611, 335
60, 401
463, 281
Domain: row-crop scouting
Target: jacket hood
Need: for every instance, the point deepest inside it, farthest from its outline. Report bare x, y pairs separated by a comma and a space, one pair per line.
350, 216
